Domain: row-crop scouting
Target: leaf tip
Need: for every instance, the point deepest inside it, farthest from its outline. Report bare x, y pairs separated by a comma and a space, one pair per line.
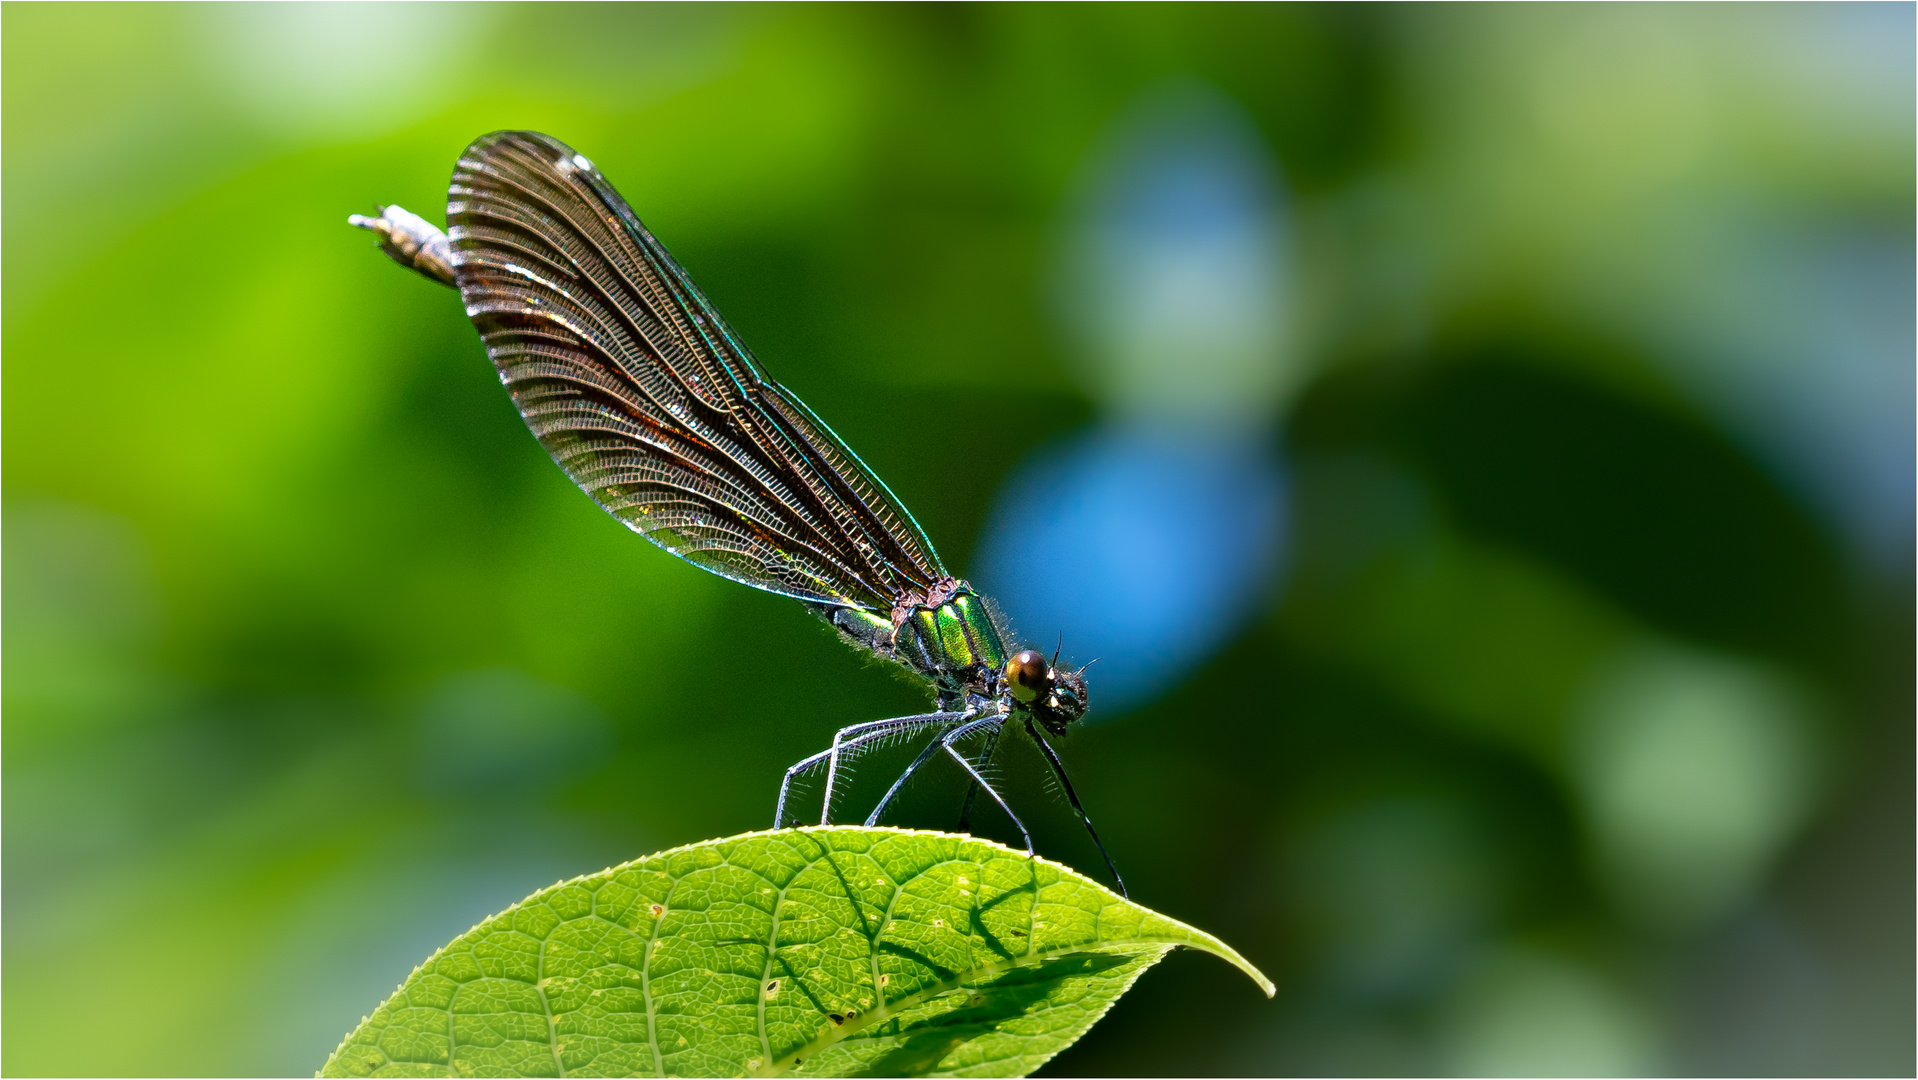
1227, 953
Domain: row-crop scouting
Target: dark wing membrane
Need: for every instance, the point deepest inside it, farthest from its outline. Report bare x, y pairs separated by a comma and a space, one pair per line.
648, 400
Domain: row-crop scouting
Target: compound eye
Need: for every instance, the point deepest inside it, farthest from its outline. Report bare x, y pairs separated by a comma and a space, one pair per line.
1028, 673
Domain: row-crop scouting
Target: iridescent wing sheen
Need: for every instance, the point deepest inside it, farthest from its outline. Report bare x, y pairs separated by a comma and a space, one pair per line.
648, 400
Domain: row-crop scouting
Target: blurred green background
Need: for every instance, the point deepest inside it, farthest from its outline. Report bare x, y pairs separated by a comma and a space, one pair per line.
1570, 731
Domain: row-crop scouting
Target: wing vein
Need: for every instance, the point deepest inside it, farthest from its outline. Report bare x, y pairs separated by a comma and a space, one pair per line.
641, 393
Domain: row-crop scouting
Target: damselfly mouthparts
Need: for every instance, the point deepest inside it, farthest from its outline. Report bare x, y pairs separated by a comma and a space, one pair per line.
648, 400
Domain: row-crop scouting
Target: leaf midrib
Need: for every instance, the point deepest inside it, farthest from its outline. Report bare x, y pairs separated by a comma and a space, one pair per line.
646, 969
772, 954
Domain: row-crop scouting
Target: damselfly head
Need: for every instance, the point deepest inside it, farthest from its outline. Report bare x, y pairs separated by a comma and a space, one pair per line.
1055, 697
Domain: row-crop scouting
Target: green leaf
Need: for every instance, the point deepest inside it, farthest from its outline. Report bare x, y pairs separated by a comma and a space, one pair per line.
836, 951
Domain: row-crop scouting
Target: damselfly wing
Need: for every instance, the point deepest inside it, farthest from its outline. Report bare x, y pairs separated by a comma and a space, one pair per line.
636, 386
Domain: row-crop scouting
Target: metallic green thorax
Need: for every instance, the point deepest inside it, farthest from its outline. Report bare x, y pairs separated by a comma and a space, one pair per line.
957, 644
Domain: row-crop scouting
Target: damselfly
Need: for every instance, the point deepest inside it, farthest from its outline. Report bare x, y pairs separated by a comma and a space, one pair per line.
651, 404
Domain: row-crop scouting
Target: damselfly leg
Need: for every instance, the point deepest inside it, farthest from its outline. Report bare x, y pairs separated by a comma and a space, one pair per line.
952, 736
931, 750
899, 784
1059, 770
869, 733
850, 739
992, 725
972, 789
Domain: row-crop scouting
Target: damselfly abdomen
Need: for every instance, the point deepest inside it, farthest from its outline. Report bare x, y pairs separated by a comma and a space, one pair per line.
648, 400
